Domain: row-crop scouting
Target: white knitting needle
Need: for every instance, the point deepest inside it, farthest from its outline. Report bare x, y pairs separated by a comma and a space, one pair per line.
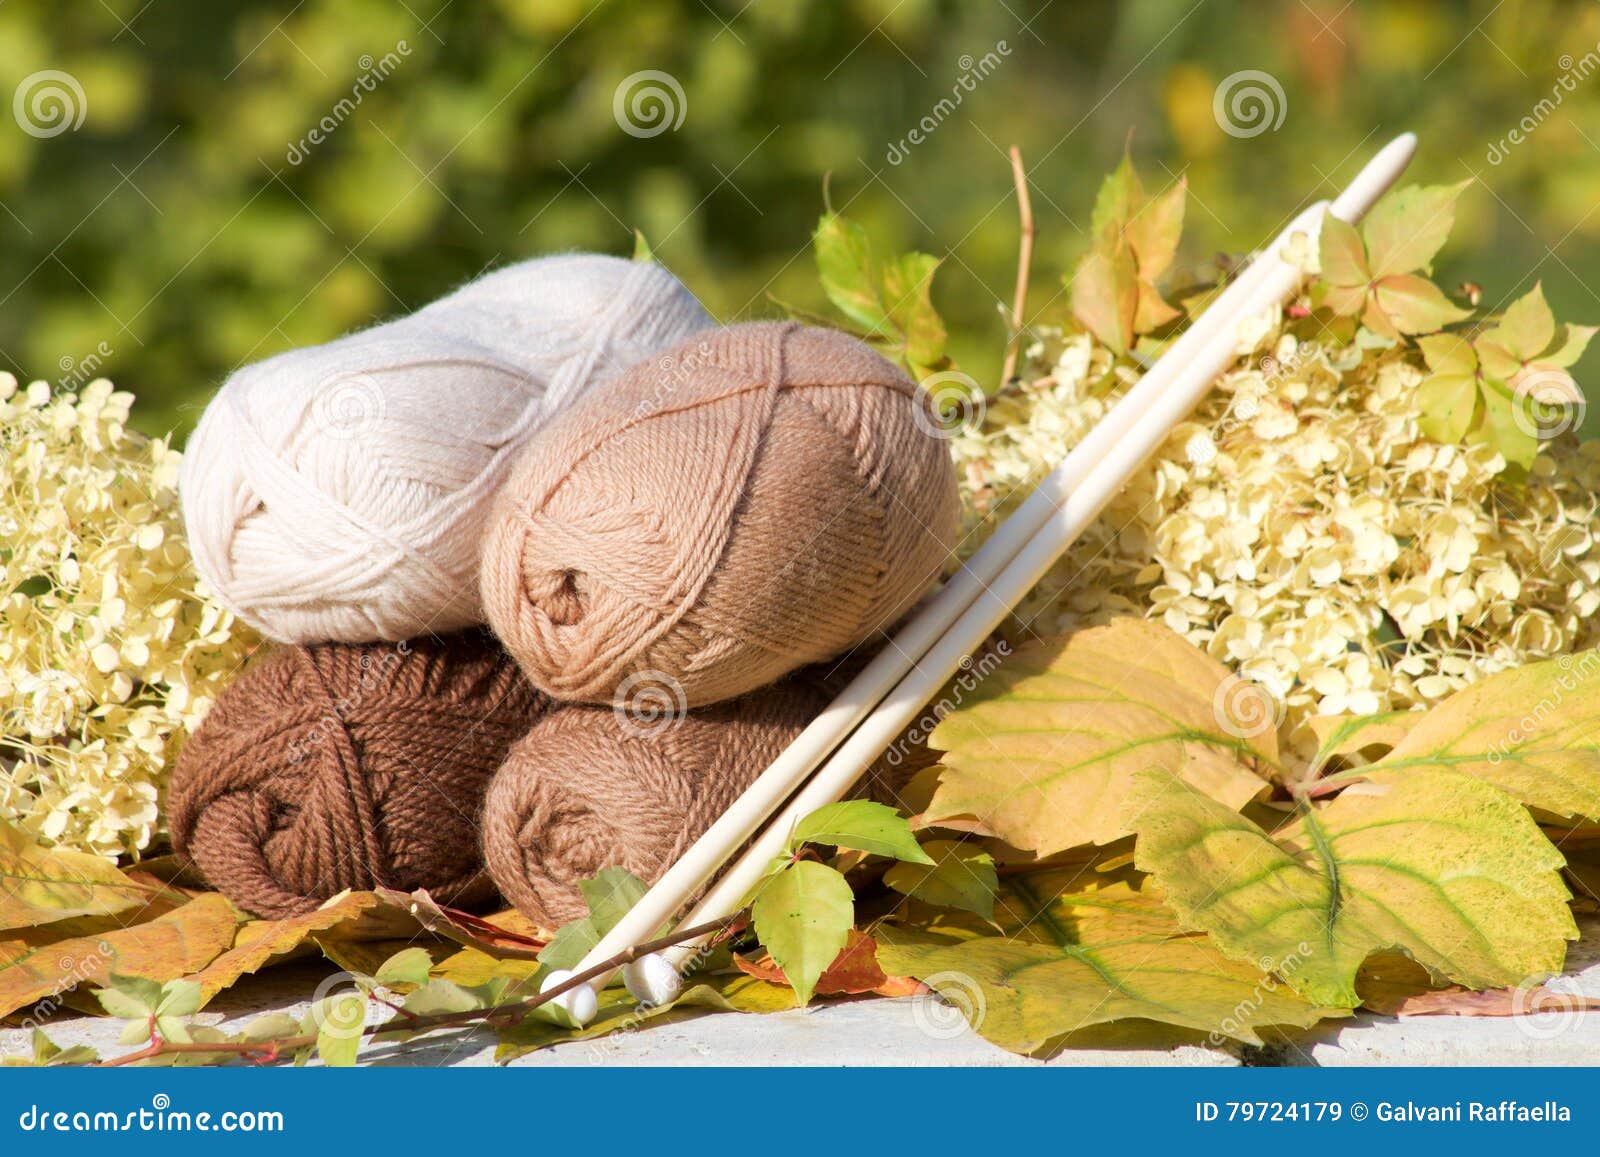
924, 654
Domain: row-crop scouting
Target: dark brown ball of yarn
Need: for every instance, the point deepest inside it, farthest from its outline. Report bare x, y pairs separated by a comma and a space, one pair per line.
591, 788
351, 766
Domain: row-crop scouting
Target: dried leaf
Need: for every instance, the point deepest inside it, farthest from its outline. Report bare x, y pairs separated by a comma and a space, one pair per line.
262, 942
1438, 865
854, 972
40, 885
960, 875
1043, 750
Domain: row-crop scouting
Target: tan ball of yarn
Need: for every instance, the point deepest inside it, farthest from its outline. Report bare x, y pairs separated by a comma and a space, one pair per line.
763, 496
594, 787
351, 766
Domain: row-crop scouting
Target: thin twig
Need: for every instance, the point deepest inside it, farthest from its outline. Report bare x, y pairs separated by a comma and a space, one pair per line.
271, 1050
1019, 301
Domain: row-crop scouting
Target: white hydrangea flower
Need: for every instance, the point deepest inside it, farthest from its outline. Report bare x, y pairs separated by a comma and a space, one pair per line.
1325, 549
110, 649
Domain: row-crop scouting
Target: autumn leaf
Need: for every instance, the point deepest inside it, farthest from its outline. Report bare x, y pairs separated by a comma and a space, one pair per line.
1134, 240
1426, 861
166, 948
1373, 273
41, 885
262, 942
1043, 750
854, 972
958, 875
1533, 732
889, 301
507, 934
1076, 949
609, 896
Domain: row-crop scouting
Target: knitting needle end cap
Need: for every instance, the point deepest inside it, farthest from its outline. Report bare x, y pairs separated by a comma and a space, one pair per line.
652, 979
580, 1003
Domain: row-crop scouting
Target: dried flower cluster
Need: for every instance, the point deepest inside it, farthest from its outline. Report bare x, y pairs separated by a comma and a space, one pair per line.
1302, 530
110, 651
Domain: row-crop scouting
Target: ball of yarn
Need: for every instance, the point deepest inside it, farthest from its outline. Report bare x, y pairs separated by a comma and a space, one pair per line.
761, 497
339, 492
351, 766
593, 787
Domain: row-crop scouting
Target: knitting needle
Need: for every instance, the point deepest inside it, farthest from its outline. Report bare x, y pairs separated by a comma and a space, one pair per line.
919, 660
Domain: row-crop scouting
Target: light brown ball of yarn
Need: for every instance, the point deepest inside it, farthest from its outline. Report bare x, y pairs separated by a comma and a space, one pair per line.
592, 787
763, 496
352, 766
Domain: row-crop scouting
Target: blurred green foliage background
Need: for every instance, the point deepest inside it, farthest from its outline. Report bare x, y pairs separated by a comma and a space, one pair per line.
171, 236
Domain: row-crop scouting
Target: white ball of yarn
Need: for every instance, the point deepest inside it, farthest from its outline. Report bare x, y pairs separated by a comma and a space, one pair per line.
339, 492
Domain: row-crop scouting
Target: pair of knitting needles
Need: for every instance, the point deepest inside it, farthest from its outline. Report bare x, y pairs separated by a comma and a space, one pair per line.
836, 749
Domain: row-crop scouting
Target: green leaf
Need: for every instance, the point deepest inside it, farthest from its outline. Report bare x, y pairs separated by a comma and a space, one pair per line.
1425, 861
804, 917
410, 966
609, 896
1449, 404
1533, 732
1409, 226
959, 876
179, 998
339, 1029
1574, 340
863, 825
641, 247
849, 277
1042, 751
907, 294
1155, 229
1117, 199
131, 997
1449, 354
1077, 949
1527, 328
1504, 428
